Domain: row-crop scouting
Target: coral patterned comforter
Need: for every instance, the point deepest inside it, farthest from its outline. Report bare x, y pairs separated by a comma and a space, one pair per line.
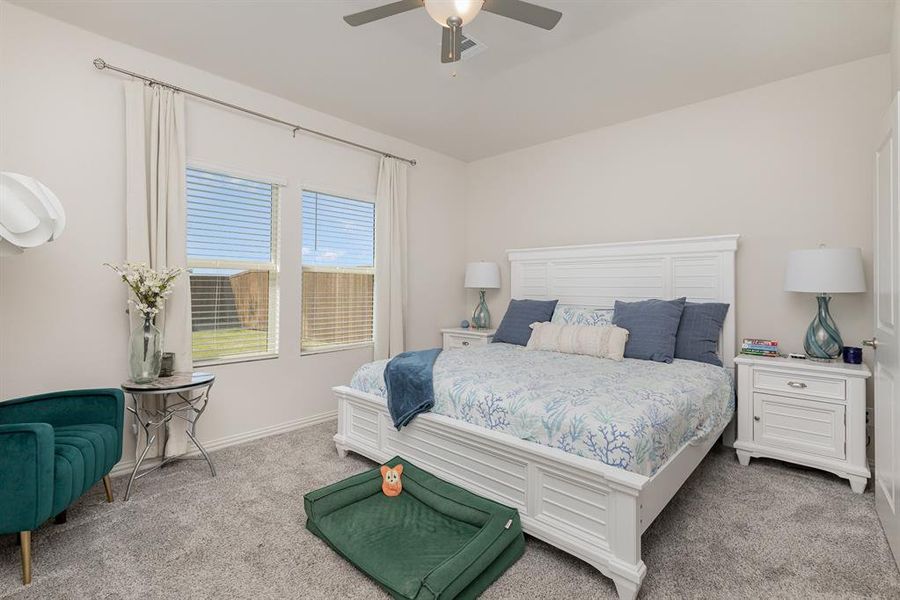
633, 414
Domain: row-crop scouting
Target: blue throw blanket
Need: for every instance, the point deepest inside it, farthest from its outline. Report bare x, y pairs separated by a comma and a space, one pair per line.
409, 383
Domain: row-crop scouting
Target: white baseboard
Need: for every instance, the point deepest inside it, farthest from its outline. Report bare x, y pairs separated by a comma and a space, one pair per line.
124, 467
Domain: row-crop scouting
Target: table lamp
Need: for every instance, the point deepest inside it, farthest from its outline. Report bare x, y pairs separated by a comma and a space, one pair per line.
824, 271
482, 276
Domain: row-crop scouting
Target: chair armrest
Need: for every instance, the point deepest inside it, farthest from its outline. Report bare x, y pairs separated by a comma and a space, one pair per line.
26, 475
59, 409
75, 407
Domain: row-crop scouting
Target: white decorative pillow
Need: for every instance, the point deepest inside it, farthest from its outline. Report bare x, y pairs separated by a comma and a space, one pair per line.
592, 340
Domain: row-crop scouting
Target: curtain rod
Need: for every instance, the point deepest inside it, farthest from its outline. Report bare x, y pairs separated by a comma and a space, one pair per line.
102, 64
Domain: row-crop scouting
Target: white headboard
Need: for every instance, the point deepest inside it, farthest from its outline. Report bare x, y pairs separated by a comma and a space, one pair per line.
596, 275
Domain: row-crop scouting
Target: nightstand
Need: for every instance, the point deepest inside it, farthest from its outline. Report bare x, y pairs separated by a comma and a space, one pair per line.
805, 412
466, 338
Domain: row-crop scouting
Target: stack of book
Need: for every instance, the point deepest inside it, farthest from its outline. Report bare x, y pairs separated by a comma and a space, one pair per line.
759, 347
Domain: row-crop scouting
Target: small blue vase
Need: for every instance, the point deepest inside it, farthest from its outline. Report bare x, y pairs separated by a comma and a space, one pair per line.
823, 340
481, 318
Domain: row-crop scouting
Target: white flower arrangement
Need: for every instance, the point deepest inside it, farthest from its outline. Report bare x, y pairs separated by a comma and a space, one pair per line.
150, 287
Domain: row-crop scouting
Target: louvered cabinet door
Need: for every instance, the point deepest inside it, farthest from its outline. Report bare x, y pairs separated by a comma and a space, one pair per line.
802, 425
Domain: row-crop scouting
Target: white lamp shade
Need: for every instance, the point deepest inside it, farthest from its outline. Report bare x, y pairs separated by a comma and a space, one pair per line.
30, 214
825, 270
482, 275
441, 10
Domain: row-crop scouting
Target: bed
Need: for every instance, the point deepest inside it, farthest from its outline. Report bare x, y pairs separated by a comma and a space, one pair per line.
556, 447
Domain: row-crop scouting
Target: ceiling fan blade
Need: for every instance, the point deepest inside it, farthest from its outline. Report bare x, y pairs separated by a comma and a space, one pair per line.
451, 44
382, 12
525, 12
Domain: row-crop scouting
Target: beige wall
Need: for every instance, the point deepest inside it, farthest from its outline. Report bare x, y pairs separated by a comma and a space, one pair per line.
786, 165
61, 319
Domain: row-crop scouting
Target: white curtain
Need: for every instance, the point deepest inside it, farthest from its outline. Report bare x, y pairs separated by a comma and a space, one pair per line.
156, 216
390, 258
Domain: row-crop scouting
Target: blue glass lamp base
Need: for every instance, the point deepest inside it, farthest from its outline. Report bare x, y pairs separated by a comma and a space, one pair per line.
481, 318
823, 340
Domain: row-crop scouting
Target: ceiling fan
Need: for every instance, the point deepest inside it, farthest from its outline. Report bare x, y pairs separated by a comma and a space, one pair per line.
453, 14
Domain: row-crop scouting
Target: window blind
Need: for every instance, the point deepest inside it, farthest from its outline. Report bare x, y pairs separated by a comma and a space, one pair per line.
232, 248
338, 271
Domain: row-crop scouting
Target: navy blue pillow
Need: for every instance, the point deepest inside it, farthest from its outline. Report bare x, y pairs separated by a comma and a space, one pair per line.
652, 326
515, 326
698, 333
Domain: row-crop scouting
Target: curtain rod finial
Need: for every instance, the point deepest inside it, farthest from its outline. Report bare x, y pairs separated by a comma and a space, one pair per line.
100, 63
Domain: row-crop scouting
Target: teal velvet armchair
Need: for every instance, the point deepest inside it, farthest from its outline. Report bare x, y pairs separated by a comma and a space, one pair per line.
53, 448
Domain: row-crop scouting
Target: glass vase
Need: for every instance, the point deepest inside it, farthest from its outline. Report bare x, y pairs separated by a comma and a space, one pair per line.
823, 340
481, 317
145, 352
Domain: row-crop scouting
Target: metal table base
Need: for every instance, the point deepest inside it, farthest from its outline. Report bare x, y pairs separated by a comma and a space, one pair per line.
154, 421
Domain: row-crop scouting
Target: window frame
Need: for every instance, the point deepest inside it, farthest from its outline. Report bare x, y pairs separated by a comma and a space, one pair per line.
346, 194
273, 267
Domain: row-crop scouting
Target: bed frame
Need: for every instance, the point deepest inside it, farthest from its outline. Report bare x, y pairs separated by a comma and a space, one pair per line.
582, 506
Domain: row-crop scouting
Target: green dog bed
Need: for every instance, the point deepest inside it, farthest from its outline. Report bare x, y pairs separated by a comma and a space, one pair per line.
434, 540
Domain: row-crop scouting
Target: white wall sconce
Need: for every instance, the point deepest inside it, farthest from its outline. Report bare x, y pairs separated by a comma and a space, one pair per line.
30, 214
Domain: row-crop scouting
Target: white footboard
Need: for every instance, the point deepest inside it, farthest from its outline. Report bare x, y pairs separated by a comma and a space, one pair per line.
584, 507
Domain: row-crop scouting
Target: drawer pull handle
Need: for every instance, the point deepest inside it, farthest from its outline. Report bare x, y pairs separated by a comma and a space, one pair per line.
797, 384
756, 418
467, 343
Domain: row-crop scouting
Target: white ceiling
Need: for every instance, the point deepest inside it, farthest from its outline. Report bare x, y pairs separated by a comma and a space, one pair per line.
605, 62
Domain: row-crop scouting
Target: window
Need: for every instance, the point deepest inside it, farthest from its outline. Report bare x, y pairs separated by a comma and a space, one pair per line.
338, 271
232, 248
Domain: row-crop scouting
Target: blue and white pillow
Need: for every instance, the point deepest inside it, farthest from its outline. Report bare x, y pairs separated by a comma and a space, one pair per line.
567, 314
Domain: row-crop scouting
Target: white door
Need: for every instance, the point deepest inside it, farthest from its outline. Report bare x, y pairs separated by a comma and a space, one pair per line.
887, 313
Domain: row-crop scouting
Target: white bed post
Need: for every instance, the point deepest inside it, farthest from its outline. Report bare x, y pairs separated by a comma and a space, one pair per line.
343, 428
627, 570
728, 344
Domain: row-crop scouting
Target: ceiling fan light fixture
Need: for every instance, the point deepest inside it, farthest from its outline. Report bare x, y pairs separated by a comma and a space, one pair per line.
442, 10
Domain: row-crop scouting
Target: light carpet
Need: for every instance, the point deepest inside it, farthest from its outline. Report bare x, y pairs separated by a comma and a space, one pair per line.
769, 530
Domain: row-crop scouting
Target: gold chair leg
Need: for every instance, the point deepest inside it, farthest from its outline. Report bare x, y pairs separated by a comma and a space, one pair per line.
25, 540
107, 484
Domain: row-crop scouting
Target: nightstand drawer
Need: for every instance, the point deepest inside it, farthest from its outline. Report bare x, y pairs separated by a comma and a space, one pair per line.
801, 425
824, 387
462, 341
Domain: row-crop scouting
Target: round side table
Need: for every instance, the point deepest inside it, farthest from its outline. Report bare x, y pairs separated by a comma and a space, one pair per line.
189, 407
